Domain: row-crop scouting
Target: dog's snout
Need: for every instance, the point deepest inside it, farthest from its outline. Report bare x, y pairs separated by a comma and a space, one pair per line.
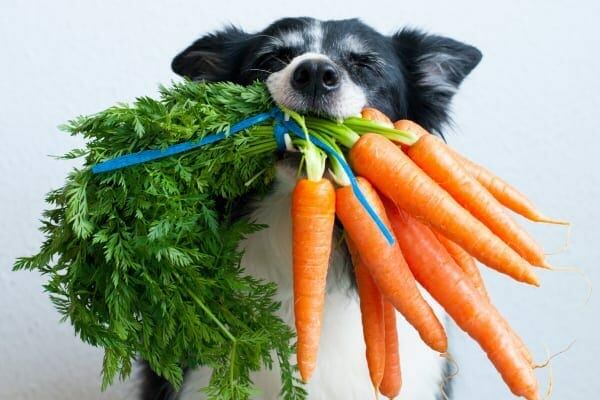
316, 77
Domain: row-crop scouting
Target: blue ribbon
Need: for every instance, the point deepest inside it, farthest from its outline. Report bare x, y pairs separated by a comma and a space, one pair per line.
280, 128
143, 156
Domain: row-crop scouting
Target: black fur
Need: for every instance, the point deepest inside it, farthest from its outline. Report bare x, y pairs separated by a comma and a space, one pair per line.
154, 386
410, 74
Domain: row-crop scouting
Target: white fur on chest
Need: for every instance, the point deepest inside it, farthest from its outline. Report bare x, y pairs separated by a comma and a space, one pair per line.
342, 369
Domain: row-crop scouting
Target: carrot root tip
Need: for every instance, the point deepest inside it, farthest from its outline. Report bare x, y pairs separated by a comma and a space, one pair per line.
548, 394
533, 280
550, 357
546, 220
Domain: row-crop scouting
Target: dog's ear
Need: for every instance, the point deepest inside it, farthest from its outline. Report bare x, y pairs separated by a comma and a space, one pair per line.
214, 57
435, 67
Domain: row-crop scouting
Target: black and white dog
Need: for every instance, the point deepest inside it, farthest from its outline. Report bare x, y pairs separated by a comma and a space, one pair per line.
331, 68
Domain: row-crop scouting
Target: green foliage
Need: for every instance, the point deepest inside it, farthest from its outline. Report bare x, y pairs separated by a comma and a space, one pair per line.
145, 262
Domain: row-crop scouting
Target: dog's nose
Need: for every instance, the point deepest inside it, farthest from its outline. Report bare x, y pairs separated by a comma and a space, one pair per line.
316, 77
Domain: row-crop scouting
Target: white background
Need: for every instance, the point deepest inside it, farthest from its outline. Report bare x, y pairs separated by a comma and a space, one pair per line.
530, 112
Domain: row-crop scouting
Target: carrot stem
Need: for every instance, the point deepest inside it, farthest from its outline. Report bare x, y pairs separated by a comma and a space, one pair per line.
314, 157
362, 126
337, 171
342, 133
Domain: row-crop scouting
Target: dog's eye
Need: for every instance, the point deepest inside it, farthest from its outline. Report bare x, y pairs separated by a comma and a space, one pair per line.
363, 61
276, 59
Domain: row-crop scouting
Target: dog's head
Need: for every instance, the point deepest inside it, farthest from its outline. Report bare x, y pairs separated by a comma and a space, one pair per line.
335, 68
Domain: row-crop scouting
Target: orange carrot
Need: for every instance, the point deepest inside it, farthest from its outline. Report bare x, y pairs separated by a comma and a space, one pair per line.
506, 194
465, 261
517, 341
313, 217
374, 114
469, 267
410, 126
392, 377
399, 178
386, 263
433, 268
432, 156
371, 309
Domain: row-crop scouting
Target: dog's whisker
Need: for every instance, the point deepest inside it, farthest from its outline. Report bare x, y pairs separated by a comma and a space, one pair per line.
257, 69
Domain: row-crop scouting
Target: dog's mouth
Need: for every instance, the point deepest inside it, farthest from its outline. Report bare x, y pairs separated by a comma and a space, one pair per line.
312, 83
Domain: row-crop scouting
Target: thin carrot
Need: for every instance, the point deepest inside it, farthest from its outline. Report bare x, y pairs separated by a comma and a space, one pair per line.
465, 261
386, 263
518, 342
399, 178
313, 217
467, 264
432, 156
392, 377
371, 309
374, 114
506, 194
444, 280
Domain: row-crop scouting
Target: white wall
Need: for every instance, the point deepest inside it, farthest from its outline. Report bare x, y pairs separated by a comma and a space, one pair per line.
529, 111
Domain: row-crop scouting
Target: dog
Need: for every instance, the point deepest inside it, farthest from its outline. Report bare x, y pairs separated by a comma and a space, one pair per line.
332, 69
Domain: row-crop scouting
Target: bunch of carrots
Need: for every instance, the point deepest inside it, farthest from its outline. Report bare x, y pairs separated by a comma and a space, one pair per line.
444, 211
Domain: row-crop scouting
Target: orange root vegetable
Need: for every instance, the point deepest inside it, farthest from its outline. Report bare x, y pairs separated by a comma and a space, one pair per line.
374, 114
469, 267
371, 309
386, 263
400, 179
410, 126
506, 194
518, 342
432, 155
465, 261
392, 377
313, 217
433, 268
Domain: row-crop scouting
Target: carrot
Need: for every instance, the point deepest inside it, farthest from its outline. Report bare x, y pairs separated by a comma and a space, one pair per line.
468, 266
465, 261
386, 263
392, 377
506, 194
517, 341
396, 175
374, 114
409, 126
433, 268
313, 217
432, 155
371, 309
